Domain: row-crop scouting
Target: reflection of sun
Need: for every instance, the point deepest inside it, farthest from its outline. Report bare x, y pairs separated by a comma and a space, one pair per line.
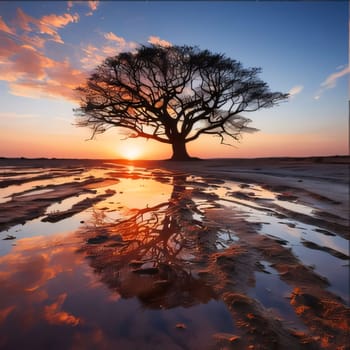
131, 152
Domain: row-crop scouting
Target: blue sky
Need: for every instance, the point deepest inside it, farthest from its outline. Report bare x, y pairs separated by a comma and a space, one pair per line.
47, 48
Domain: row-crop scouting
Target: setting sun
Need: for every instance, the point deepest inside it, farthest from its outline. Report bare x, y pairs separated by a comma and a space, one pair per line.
130, 151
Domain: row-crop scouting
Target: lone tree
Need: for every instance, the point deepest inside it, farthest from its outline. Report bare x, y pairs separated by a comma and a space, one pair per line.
173, 95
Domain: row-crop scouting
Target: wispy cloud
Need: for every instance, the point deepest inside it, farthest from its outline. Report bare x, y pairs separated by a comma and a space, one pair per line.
155, 40
4, 27
34, 40
23, 20
47, 25
112, 37
114, 44
331, 81
295, 90
59, 21
91, 56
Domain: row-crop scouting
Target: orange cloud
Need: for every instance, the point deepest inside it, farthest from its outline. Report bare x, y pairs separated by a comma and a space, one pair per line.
45, 25
8, 47
23, 20
31, 63
92, 57
31, 73
59, 21
48, 24
34, 40
63, 74
4, 27
61, 81
21, 61
58, 80
155, 40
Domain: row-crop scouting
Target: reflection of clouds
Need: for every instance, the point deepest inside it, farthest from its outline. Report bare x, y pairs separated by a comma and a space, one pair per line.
50, 296
5, 312
54, 315
24, 273
39, 281
24, 278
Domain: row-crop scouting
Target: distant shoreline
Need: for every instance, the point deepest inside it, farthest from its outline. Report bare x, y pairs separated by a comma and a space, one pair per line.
291, 158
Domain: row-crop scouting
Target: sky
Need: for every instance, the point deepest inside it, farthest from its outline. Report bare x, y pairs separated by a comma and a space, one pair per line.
48, 48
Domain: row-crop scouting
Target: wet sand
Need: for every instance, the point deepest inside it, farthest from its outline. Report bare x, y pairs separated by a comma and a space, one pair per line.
227, 253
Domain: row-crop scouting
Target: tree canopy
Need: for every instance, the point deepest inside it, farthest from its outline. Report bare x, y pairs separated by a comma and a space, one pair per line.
173, 95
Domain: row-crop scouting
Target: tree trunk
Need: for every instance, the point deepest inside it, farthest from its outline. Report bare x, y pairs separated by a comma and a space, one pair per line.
179, 151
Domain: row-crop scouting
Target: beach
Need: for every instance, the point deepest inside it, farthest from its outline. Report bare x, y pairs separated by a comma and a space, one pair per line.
203, 254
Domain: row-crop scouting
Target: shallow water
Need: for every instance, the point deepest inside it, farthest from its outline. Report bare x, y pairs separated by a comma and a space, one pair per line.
293, 233
123, 273
273, 295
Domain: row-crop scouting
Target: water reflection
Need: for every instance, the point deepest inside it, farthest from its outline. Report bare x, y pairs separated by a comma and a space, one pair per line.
150, 266
53, 299
141, 292
151, 255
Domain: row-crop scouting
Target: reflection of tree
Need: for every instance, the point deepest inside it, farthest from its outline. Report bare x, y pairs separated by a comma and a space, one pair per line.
151, 254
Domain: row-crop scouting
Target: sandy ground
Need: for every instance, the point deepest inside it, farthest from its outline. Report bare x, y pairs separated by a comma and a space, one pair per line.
207, 241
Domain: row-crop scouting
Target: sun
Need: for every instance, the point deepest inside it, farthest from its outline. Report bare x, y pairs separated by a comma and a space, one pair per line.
130, 152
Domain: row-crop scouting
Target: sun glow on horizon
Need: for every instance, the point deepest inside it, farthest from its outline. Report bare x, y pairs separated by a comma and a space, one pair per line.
130, 152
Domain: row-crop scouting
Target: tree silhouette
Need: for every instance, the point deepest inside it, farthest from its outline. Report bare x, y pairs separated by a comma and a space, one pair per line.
173, 95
